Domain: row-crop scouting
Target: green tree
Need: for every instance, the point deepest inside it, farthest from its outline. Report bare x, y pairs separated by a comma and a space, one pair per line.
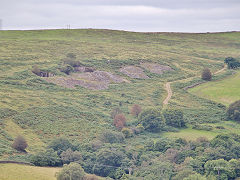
232, 62
112, 137
47, 158
20, 144
108, 161
174, 117
60, 145
233, 111
206, 74
70, 156
73, 171
152, 120
219, 168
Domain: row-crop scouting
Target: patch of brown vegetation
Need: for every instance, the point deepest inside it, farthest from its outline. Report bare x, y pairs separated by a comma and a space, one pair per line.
156, 68
97, 80
134, 72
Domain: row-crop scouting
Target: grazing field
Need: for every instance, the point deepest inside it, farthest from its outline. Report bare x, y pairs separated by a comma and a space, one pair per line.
25, 172
224, 91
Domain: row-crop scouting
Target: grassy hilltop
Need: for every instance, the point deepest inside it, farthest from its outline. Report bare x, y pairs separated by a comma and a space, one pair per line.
41, 111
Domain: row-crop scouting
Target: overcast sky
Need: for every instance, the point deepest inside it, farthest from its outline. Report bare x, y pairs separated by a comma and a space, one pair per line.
131, 15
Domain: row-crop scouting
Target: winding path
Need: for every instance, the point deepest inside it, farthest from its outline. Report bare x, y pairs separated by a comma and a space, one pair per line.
167, 86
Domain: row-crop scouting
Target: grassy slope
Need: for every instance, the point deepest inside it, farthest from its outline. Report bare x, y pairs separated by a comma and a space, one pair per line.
224, 91
20, 172
49, 111
25, 172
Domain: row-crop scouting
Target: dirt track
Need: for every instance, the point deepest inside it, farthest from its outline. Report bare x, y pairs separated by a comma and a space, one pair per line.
167, 86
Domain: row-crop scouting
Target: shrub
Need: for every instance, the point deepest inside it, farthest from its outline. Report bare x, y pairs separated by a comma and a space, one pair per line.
127, 132
233, 111
108, 160
174, 117
136, 110
139, 128
20, 144
115, 112
119, 121
60, 145
71, 55
232, 62
152, 120
112, 137
73, 171
47, 158
206, 74
67, 69
36, 70
70, 156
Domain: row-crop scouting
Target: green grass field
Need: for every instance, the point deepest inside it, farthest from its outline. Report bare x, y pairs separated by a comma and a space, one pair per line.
41, 111
193, 134
225, 91
25, 172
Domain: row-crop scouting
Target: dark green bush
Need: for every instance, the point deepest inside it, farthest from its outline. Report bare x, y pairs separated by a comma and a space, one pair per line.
152, 120
112, 137
73, 171
47, 158
206, 74
70, 156
67, 69
174, 117
233, 111
108, 160
61, 144
20, 144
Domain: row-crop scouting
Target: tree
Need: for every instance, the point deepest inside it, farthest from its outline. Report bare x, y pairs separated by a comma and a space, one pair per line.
60, 145
174, 117
233, 111
136, 110
119, 121
20, 144
108, 161
152, 120
112, 137
219, 168
73, 171
47, 158
232, 62
70, 156
206, 74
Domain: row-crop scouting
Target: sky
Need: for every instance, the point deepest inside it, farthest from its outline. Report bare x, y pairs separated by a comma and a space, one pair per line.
130, 15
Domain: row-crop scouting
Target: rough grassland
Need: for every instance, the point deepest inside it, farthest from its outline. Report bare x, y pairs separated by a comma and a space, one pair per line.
224, 91
42, 111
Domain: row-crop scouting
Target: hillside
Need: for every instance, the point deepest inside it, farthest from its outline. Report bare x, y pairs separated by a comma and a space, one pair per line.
129, 68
